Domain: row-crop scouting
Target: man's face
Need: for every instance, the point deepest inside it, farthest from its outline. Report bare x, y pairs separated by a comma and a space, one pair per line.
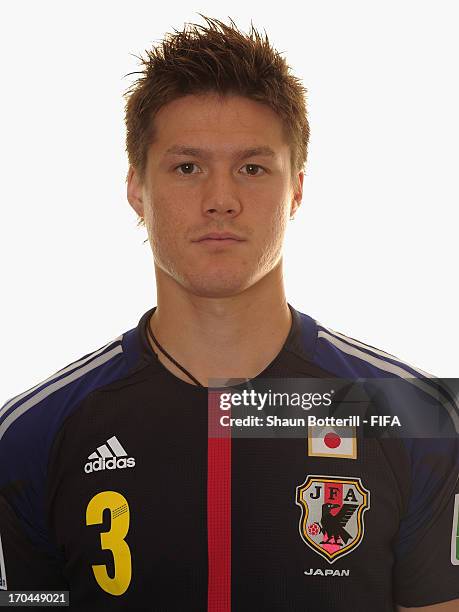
202, 179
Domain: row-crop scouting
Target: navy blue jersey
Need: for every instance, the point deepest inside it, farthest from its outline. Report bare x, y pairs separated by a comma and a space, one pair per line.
112, 487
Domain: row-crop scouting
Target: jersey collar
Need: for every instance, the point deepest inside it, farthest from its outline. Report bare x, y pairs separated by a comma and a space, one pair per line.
300, 341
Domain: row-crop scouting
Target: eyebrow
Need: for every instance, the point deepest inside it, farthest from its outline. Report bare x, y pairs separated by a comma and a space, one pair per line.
263, 151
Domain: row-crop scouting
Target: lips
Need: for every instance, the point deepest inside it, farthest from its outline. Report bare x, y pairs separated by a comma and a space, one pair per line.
220, 236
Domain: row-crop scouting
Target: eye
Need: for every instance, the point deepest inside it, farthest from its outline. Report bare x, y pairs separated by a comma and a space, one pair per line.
251, 167
186, 165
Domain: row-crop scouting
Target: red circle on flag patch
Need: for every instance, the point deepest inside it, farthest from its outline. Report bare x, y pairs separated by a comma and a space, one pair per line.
332, 440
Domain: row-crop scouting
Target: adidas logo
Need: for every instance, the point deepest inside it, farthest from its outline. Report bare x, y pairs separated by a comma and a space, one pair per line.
109, 456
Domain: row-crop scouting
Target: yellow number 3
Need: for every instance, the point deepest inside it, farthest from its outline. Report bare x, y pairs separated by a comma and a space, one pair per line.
112, 540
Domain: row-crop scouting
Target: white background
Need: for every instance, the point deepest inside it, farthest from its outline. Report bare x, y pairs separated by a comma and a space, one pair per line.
373, 252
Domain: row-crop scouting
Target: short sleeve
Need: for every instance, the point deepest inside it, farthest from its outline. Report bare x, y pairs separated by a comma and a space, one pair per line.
426, 570
22, 565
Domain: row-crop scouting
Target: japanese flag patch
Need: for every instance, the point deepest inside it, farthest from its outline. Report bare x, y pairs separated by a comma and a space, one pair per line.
338, 442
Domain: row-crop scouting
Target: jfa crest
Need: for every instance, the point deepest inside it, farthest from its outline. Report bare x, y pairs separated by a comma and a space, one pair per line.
332, 510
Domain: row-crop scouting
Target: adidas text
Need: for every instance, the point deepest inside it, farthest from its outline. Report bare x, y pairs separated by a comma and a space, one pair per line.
112, 463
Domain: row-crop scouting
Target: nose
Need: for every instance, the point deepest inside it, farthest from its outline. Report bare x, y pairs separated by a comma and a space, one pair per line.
220, 199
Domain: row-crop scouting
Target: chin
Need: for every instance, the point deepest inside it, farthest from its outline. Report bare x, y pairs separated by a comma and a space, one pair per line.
216, 286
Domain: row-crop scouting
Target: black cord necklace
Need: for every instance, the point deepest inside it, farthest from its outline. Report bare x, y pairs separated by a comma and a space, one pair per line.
164, 352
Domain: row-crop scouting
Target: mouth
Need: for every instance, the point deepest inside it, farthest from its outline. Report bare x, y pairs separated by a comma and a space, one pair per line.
219, 238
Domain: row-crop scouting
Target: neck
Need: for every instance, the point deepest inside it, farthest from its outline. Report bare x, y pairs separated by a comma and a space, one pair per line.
221, 338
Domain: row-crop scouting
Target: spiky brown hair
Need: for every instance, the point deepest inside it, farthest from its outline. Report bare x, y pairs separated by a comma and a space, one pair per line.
217, 58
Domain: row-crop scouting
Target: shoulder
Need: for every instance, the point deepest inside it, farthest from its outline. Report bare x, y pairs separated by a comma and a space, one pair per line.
406, 387
31, 421
43, 407
344, 355
352, 356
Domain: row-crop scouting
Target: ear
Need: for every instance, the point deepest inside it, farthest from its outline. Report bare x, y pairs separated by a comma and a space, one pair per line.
135, 191
297, 194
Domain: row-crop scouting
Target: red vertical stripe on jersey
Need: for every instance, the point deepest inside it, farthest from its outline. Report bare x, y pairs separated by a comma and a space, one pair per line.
218, 510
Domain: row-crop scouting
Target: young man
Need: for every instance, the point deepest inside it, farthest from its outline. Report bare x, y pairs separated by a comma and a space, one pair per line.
113, 485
